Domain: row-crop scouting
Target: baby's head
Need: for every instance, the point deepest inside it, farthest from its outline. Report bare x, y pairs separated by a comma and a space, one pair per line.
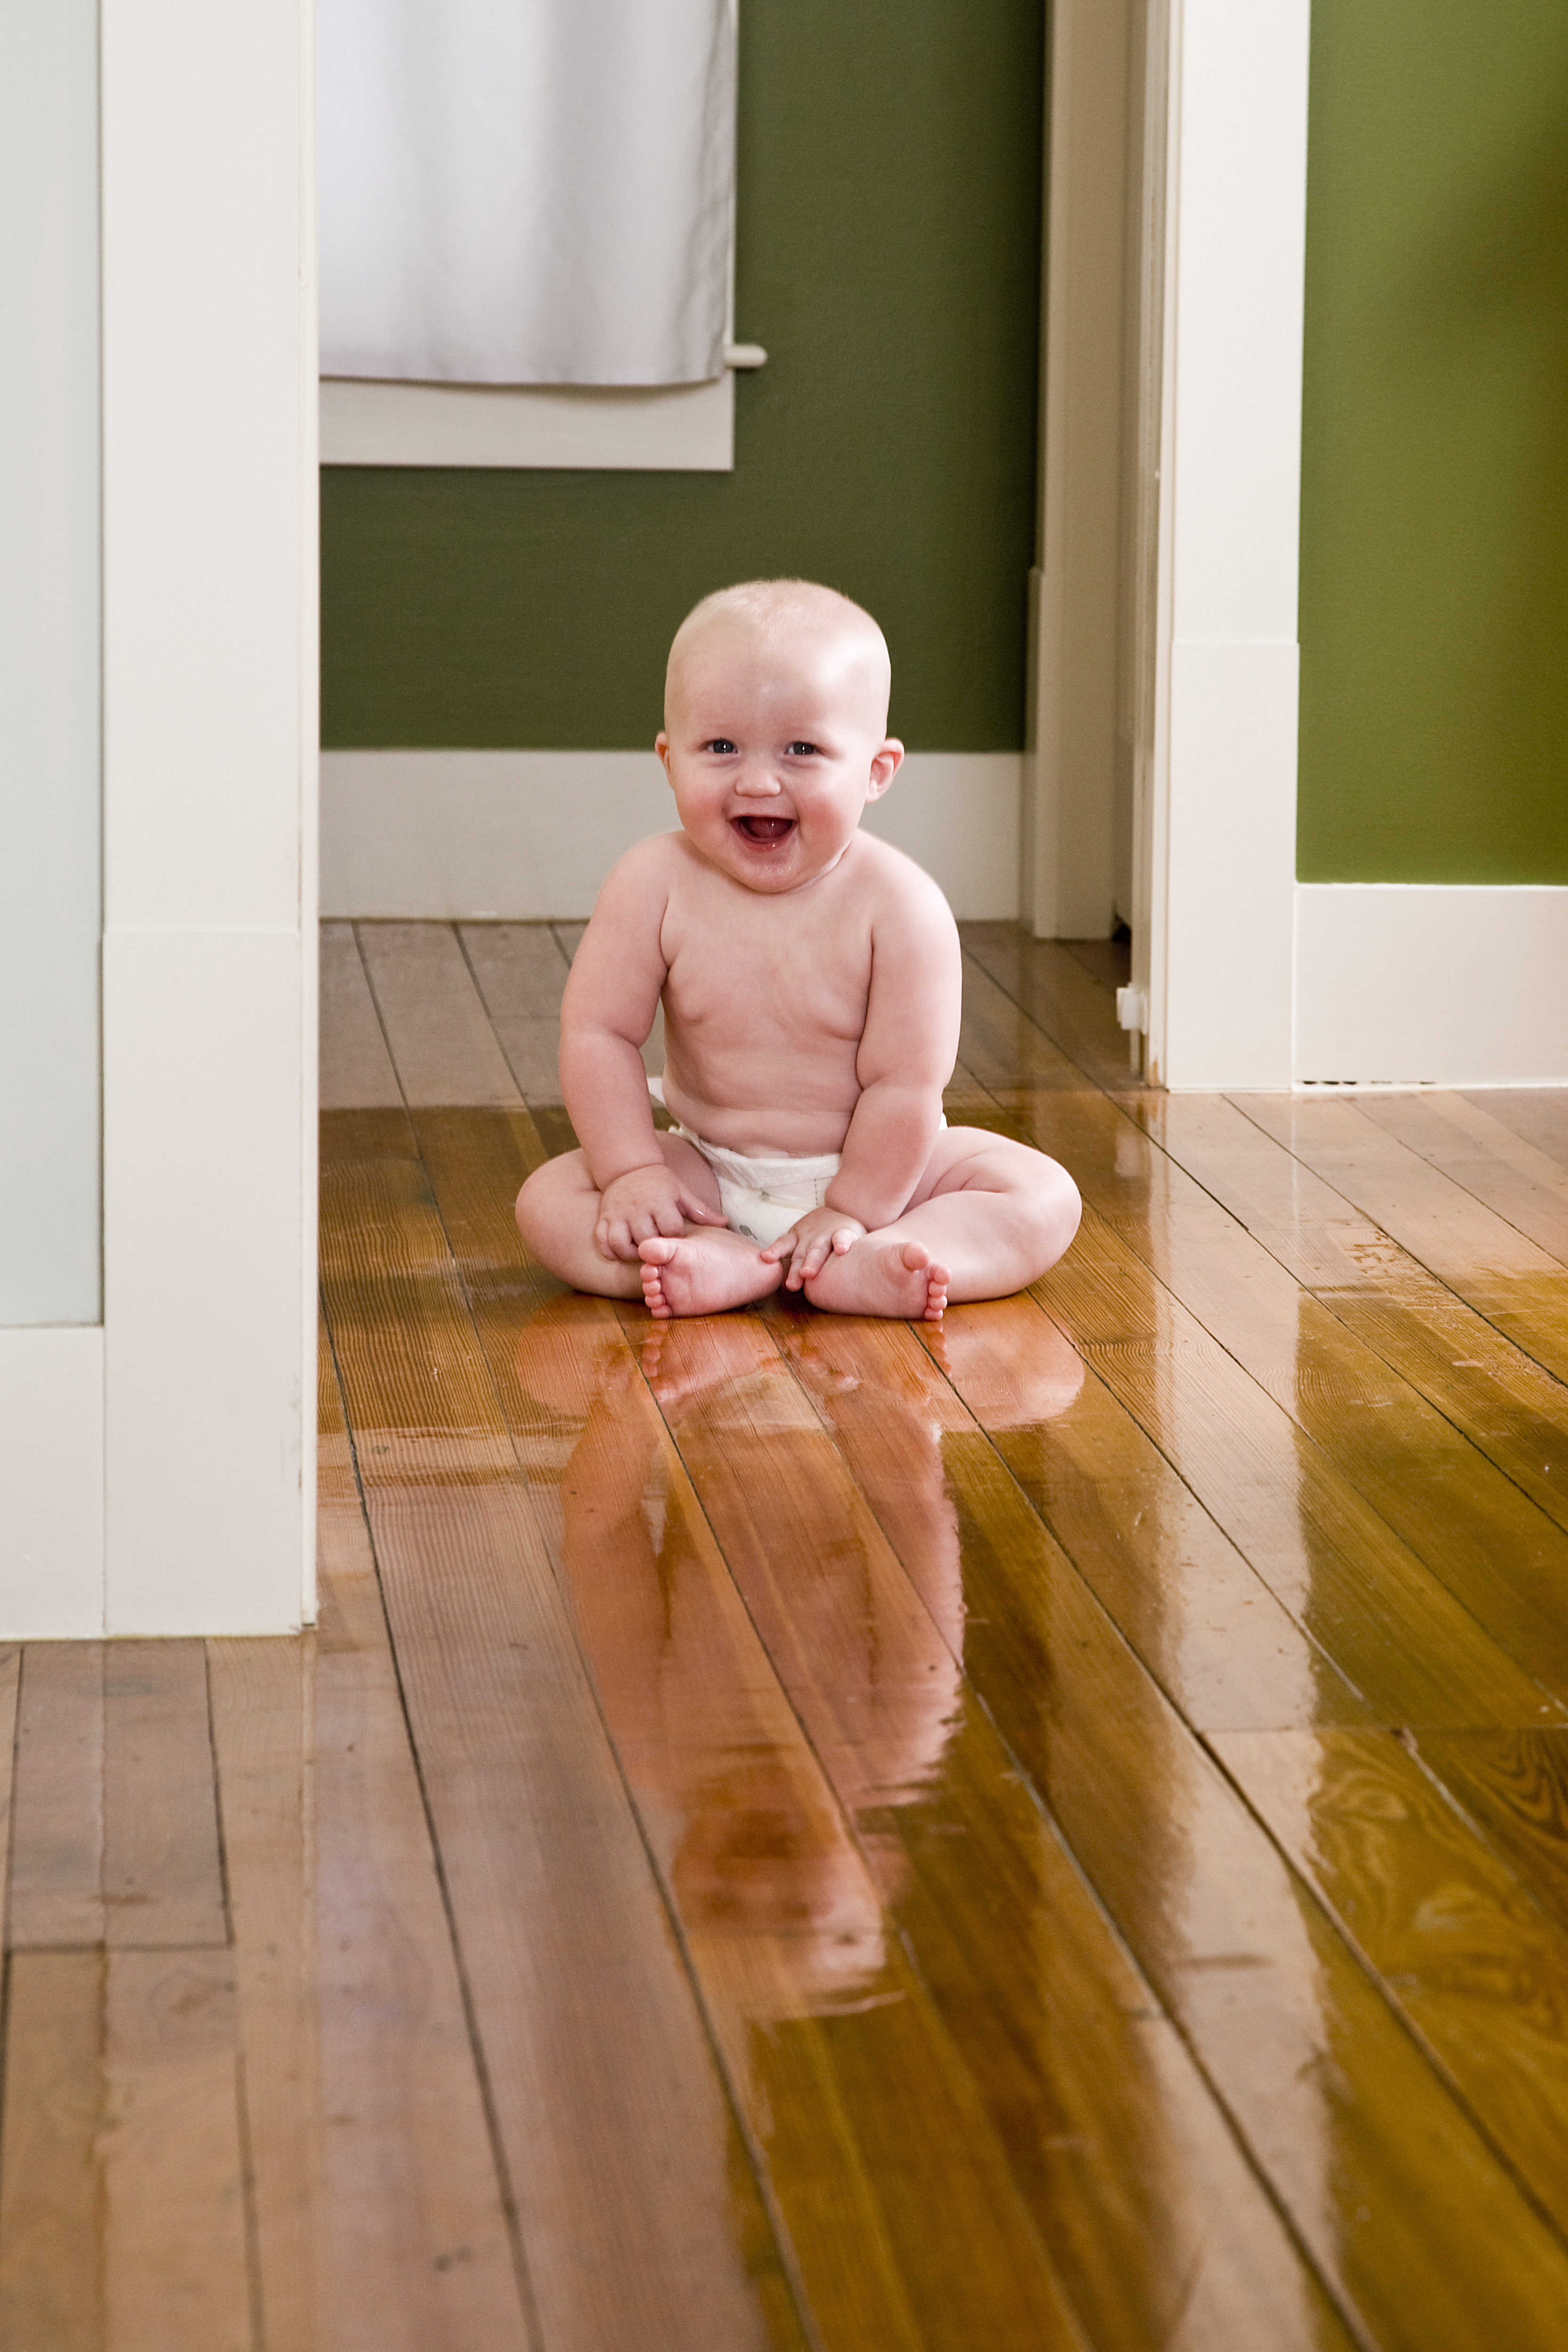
776, 727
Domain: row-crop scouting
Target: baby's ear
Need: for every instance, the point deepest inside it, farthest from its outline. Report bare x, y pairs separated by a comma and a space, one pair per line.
886, 762
661, 745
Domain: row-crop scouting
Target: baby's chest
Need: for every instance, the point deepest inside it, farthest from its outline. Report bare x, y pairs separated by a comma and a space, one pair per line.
768, 976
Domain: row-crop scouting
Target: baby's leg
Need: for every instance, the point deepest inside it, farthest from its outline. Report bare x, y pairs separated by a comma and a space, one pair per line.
710, 1269
988, 1218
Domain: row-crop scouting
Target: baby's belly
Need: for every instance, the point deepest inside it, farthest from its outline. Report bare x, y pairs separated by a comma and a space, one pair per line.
756, 1115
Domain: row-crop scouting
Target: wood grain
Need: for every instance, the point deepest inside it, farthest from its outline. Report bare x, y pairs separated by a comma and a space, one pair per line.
1538, 1115
979, 1885
174, 2267
1405, 1642
116, 1826
121, 2210
1514, 1786
1480, 1970
1060, 998
1508, 1278
824, 2026
51, 2187
1213, 1636
1376, 2163
356, 1072
520, 970
1510, 1174
55, 1893
614, 2122
1360, 1438
443, 1046
262, 1703
1503, 1401
163, 1877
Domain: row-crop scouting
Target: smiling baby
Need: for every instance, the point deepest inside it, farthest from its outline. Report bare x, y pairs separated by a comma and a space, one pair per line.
810, 978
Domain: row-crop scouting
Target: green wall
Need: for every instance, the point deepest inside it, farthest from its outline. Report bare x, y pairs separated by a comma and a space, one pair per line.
890, 261
1435, 495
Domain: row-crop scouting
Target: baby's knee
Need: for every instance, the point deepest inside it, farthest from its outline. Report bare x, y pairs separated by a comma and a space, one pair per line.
538, 1203
1058, 1207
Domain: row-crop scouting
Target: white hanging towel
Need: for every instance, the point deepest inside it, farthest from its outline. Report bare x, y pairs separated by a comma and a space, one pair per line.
525, 191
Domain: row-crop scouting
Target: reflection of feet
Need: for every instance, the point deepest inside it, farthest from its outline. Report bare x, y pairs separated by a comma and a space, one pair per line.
878, 1278
681, 1364
702, 1274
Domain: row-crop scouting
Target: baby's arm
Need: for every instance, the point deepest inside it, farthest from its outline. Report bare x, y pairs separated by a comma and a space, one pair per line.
606, 1013
907, 1051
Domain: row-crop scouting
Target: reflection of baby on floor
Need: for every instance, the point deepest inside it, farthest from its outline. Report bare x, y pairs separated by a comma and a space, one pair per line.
788, 1903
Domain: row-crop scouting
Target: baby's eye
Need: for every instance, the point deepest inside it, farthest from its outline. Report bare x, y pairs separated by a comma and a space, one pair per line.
720, 743
802, 751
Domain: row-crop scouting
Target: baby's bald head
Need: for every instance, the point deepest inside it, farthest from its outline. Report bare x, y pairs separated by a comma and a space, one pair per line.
789, 617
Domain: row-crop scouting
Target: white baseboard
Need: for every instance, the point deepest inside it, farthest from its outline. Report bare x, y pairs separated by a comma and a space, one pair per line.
51, 1484
523, 836
1412, 984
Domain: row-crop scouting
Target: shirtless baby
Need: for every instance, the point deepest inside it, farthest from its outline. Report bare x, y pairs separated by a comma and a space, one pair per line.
810, 980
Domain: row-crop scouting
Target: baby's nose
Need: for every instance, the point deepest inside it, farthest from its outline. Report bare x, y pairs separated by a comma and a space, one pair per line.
758, 782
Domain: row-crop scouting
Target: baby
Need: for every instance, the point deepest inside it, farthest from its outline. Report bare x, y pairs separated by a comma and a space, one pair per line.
810, 978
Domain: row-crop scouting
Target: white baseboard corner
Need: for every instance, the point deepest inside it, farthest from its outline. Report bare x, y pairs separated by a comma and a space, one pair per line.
51, 1484
1415, 984
528, 836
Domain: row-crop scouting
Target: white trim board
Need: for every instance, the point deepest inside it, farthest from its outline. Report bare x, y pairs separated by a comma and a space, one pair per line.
522, 836
662, 428
51, 1483
207, 1457
1405, 983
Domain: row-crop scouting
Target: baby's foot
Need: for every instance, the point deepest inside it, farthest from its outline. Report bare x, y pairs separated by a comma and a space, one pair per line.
703, 1275
878, 1277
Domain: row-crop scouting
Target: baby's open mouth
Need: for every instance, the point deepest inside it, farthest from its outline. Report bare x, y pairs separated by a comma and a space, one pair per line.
764, 830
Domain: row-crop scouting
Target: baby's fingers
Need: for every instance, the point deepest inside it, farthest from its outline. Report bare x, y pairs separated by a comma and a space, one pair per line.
698, 1212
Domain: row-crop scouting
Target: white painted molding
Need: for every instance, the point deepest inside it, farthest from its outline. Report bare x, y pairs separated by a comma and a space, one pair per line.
209, 555
524, 836
51, 1484
1415, 984
1070, 880
1222, 862
674, 428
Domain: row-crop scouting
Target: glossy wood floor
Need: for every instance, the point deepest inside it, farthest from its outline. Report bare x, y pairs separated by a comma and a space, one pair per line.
797, 1832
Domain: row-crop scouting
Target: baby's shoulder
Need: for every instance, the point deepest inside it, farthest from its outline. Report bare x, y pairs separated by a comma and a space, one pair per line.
643, 875
897, 892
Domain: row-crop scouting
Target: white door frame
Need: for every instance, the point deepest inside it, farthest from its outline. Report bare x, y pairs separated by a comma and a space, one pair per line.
161, 1467
1217, 820
1213, 155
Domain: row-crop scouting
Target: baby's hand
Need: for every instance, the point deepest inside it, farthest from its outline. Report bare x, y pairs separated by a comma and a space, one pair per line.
810, 1242
645, 1201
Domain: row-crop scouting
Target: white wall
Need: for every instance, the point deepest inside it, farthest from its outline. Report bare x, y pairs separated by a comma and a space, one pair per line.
50, 880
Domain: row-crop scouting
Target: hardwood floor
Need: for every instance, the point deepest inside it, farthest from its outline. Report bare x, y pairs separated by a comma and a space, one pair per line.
800, 1832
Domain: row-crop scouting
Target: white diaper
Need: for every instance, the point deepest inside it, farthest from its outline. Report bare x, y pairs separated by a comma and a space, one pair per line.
761, 1197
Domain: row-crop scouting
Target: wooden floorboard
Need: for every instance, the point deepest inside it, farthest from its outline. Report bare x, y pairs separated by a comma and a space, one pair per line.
1502, 1400
1368, 1431
687, 1704
1486, 1260
828, 1835
610, 2111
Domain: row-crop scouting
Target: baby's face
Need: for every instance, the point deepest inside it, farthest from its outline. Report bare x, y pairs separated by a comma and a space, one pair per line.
773, 747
